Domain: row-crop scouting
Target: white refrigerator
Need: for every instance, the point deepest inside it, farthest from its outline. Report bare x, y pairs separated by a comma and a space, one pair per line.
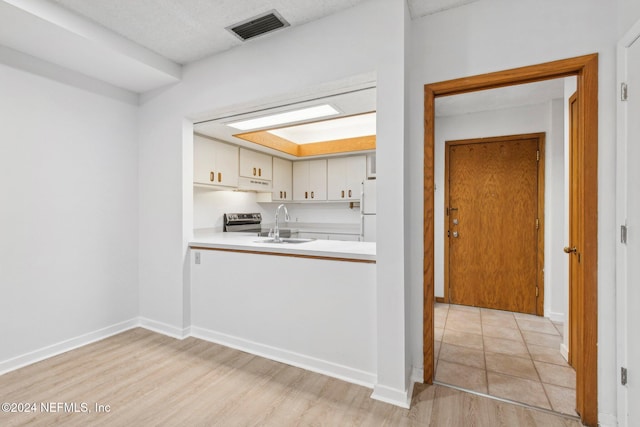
368, 211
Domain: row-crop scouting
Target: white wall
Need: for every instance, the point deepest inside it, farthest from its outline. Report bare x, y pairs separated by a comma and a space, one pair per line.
628, 14
303, 59
68, 216
494, 35
321, 315
547, 118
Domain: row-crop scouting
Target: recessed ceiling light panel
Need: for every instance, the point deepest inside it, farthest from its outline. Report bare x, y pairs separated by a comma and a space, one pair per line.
287, 117
329, 130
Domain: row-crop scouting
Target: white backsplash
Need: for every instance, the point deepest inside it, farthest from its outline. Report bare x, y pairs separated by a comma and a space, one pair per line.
321, 213
209, 207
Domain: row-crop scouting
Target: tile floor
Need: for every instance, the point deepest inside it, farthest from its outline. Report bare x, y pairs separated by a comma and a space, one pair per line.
508, 355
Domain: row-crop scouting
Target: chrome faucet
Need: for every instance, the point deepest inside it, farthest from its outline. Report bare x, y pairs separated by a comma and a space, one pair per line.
276, 228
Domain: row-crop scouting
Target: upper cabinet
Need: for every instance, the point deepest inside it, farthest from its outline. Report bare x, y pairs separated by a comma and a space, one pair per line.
214, 163
282, 179
255, 165
310, 180
345, 176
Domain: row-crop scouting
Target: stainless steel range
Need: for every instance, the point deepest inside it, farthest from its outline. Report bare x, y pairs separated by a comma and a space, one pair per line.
250, 223
244, 222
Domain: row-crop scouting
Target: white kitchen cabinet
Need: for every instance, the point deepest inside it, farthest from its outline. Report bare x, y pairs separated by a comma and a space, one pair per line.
214, 163
310, 180
282, 179
255, 165
345, 176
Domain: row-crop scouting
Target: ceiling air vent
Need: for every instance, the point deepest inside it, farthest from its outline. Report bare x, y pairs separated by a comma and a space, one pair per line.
258, 25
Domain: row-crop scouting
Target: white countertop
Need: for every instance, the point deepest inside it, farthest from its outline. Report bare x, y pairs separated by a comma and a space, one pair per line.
250, 242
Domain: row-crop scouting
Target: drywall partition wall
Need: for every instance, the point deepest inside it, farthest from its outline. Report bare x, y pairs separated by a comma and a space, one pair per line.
68, 258
298, 60
494, 35
628, 14
518, 120
393, 379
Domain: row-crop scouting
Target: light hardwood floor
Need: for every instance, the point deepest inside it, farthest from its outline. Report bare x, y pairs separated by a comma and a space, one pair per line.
149, 379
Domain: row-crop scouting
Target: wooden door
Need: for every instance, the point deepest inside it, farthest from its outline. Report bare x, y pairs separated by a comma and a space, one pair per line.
574, 230
493, 222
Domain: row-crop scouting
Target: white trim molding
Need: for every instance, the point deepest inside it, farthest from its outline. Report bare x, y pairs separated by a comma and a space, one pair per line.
393, 396
345, 373
164, 328
66, 345
622, 304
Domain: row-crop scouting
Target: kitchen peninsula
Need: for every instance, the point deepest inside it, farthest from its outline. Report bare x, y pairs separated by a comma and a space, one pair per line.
311, 304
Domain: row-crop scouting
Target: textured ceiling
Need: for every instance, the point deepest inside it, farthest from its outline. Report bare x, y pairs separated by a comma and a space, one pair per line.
419, 8
188, 30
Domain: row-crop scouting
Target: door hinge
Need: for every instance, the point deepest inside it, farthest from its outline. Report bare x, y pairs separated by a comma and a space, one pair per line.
537, 292
623, 376
538, 155
537, 224
623, 234
624, 92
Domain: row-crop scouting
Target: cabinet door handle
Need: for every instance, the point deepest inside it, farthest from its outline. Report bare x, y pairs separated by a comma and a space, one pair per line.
254, 171
219, 176
281, 194
312, 195
259, 171
305, 195
212, 176
349, 193
343, 194
285, 194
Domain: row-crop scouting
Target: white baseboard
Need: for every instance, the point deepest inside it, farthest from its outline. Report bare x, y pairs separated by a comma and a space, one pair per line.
355, 376
393, 396
607, 420
164, 328
564, 351
417, 375
66, 345
556, 317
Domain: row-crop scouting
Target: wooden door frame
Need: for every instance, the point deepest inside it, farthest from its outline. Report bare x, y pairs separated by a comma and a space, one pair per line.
540, 136
585, 68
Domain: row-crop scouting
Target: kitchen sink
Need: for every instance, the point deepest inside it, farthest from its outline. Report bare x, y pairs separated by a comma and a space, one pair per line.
284, 232
285, 240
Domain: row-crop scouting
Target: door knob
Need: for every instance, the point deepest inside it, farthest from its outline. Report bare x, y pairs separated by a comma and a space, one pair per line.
568, 250
455, 234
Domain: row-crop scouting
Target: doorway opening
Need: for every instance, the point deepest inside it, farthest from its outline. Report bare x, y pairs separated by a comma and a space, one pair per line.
583, 222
